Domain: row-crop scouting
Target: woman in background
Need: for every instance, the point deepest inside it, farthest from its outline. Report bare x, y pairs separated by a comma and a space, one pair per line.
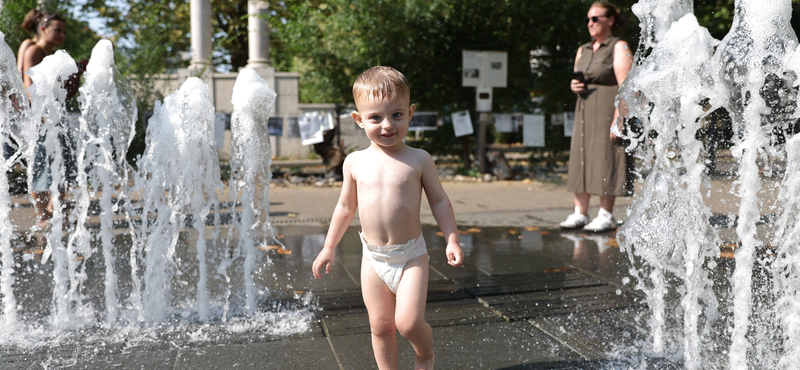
596, 165
31, 25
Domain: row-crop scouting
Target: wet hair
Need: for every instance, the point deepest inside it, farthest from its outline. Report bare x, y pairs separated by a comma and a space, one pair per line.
380, 83
611, 11
31, 21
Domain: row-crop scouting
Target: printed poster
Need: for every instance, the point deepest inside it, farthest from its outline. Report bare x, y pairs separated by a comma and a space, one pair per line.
462, 123
310, 130
569, 120
533, 130
502, 123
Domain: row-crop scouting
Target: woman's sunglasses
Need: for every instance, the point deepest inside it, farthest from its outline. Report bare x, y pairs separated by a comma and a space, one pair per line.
595, 19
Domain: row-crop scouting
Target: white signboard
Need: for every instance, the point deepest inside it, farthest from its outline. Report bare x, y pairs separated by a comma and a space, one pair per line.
462, 123
502, 123
423, 121
569, 120
533, 130
220, 121
310, 129
484, 68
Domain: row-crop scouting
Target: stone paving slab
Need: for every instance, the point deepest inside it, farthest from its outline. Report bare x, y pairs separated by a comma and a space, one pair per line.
538, 304
478, 346
528, 282
299, 354
593, 334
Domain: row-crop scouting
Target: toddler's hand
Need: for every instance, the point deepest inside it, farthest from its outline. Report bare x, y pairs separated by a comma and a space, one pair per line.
455, 256
324, 259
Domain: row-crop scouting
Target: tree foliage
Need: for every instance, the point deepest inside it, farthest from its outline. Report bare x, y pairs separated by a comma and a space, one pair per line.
330, 42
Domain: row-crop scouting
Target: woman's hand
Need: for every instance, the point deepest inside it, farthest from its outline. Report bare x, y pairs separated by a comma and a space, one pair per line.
577, 87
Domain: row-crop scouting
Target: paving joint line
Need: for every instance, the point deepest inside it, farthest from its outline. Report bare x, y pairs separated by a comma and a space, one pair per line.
441, 274
177, 357
347, 270
557, 339
494, 311
328, 338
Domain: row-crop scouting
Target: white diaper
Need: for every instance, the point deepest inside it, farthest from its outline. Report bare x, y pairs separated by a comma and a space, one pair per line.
389, 261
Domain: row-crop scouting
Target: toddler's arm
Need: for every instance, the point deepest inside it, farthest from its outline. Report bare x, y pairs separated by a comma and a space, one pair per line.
342, 215
442, 210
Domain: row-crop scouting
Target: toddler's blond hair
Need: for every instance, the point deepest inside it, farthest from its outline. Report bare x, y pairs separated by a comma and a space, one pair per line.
380, 83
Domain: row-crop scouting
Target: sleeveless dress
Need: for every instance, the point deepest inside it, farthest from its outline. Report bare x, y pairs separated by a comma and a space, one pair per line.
596, 165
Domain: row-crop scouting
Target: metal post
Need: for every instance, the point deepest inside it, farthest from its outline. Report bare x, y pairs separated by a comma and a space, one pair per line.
337, 110
481, 155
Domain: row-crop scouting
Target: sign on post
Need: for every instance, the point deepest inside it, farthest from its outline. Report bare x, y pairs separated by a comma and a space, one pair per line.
484, 68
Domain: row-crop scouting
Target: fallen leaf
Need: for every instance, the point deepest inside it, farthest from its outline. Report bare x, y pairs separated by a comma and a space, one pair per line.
526, 181
462, 232
280, 236
513, 231
473, 230
557, 269
544, 232
613, 243
291, 215
532, 228
726, 255
439, 233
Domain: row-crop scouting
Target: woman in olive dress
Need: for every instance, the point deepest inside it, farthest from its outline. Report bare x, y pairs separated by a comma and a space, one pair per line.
596, 165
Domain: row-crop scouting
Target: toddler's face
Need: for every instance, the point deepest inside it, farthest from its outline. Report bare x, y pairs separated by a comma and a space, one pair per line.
384, 121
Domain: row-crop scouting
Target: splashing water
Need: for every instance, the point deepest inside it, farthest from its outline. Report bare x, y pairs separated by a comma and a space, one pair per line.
163, 267
108, 123
251, 157
12, 112
681, 76
178, 171
52, 140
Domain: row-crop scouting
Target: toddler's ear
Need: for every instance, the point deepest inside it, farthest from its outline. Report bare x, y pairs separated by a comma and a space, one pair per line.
357, 118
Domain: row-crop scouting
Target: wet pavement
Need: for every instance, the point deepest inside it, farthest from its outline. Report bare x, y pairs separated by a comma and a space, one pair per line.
525, 298
529, 296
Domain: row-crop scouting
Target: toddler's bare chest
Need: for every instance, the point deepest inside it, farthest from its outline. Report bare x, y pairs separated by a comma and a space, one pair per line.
387, 177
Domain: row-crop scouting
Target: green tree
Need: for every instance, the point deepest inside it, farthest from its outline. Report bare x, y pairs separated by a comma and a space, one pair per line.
331, 42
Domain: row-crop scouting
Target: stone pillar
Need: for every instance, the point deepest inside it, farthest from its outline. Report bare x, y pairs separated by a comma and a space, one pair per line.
201, 34
258, 34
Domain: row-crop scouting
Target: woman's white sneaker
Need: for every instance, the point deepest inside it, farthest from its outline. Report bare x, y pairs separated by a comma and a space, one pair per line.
604, 221
574, 221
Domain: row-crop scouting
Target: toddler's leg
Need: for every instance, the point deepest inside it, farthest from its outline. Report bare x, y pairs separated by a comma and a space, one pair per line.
380, 304
412, 294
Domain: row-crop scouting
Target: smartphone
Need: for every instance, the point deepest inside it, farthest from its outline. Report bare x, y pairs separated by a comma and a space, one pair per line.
578, 75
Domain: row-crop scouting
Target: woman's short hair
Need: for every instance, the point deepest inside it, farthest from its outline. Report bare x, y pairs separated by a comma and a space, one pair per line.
381, 82
611, 11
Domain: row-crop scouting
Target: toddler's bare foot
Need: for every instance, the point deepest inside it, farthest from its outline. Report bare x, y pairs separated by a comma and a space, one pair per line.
425, 364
